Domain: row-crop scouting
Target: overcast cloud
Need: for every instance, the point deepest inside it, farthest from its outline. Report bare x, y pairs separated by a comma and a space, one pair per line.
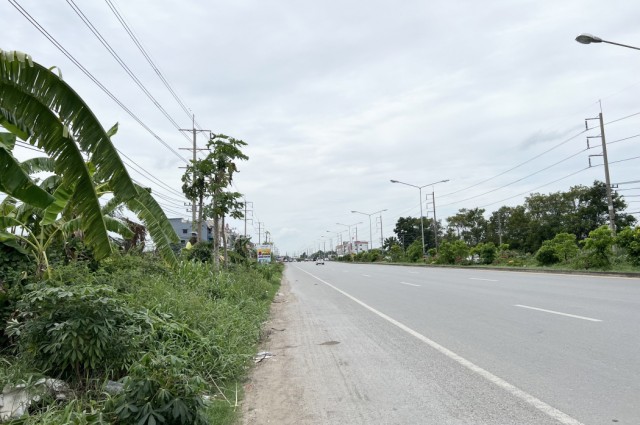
335, 98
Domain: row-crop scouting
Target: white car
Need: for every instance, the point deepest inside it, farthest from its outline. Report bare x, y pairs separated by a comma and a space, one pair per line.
319, 261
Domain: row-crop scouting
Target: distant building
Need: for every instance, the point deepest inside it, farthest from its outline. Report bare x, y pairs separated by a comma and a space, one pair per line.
352, 247
183, 229
360, 246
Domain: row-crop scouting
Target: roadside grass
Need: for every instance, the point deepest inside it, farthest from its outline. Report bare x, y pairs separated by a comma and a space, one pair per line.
194, 331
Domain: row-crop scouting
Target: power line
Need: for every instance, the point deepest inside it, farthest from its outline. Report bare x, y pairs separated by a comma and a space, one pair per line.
145, 172
622, 140
517, 166
121, 62
138, 44
536, 188
623, 118
39, 27
28, 146
516, 181
624, 160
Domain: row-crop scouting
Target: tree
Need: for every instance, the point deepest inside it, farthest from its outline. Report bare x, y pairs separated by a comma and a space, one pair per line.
509, 225
592, 209
389, 242
40, 108
470, 225
213, 175
408, 230
37, 106
599, 243
629, 240
565, 246
485, 251
414, 252
453, 252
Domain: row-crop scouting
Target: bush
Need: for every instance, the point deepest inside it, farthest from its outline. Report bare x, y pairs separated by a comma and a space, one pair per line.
414, 251
486, 251
15, 268
629, 240
76, 331
200, 251
598, 247
396, 253
160, 389
547, 255
455, 252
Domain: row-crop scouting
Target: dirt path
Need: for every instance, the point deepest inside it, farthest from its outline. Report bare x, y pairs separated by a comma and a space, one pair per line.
273, 392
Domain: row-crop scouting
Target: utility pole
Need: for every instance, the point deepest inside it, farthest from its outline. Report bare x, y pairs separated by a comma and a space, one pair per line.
259, 231
435, 219
194, 149
381, 237
612, 224
245, 216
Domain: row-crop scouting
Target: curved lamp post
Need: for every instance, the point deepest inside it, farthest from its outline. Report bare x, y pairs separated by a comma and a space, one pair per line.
370, 232
589, 38
421, 220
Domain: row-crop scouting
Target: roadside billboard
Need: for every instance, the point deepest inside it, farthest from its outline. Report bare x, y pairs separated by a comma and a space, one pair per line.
264, 253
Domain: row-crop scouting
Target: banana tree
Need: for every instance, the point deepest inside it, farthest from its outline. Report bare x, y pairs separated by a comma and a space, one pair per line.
40, 108
37, 106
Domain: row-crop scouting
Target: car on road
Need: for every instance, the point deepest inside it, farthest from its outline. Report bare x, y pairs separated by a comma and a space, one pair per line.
319, 260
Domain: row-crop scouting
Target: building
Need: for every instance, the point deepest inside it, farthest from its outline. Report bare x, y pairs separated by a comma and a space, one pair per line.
360, 246
352, 247
184, 229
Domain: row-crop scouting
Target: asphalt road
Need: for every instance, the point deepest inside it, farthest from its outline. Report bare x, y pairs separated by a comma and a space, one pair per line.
413, 345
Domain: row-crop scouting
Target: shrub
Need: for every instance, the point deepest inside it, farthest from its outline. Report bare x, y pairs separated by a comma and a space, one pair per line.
629, 240
453, 252
200, 251
396, 254
414, 251
76, 331
160, 389
486, 251
598, 246
547, 254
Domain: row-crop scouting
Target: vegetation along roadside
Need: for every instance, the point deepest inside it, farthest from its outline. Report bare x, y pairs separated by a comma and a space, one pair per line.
95, 327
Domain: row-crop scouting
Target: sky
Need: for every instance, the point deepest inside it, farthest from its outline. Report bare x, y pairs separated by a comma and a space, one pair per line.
336, 98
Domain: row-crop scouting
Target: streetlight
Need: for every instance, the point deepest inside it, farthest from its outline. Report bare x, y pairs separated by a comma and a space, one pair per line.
349, 226
420, 190
589, 38
370, 232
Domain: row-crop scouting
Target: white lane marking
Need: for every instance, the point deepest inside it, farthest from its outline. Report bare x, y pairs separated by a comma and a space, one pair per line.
559, 313
477, 278
410, 284
510, 388
366, 275
414, 273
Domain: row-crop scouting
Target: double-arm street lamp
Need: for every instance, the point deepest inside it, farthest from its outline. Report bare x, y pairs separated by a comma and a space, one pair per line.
370, 232
588, 39
421, 220
349, 227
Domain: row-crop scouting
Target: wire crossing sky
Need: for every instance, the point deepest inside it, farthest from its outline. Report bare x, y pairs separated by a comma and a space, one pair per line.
335, 99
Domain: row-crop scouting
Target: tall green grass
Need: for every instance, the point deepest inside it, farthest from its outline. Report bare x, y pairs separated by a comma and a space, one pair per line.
196, 328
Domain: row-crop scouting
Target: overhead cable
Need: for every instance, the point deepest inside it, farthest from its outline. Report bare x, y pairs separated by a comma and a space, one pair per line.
39, 27
122, 63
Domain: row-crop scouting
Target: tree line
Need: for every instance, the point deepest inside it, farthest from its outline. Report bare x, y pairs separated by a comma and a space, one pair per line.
541, 221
